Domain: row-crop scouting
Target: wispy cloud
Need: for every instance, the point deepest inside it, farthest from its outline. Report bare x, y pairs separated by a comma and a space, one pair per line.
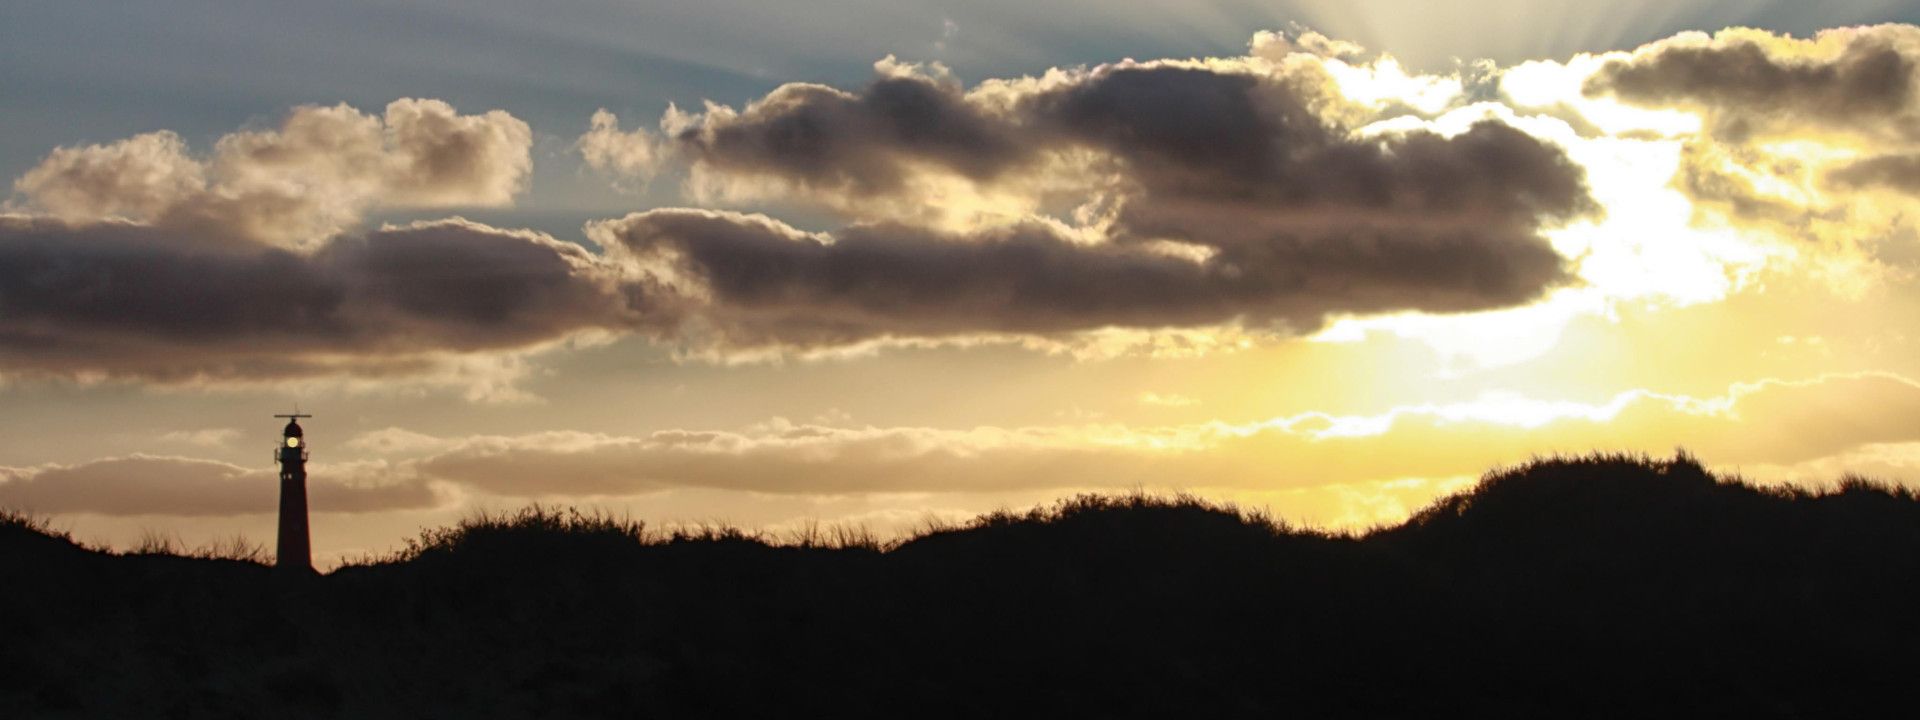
206, 438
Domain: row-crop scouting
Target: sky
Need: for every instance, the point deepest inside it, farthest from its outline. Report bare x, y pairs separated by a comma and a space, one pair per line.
891, 264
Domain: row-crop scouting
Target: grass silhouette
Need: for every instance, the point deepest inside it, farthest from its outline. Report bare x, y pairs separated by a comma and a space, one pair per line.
1598, 586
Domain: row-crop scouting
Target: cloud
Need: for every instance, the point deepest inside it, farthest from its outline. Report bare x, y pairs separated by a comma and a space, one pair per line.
208, 437
158, 485
393, 440
436, 157
1209, 193
1896, 462
1277, 46
1202, 193
1172, 400
296, 185
754, 282
1753, 82
784, 459
824, 141
1802, 147
1215, 152
147, 263
136, 260
1234, 159
129, 300
1779, 430
139, 177
758, 281
631, 157
1764, 424
1894, 172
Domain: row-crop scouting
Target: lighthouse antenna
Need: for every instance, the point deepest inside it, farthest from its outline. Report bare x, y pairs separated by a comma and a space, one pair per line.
296, 414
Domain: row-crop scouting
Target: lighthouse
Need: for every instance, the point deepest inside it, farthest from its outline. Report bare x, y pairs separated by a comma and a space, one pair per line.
295, 548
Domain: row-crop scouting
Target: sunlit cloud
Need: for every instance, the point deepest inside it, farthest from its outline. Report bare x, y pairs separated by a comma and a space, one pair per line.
631, 157
1383, 83
1167, 400
314, 176
206, 438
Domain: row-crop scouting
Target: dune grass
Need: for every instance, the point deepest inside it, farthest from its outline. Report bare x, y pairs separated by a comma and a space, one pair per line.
1602, 585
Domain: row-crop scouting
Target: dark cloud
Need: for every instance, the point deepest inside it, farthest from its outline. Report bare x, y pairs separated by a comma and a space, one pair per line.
149, 485
1309, 217
128, 299
763, 283
1752, 82
1240, 162
1894, 172
1181, 126
828, 140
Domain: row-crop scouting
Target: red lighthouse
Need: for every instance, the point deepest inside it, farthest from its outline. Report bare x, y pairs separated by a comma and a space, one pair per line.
295, 548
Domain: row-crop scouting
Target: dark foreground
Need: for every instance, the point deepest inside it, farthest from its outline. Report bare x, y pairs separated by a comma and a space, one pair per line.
1604, 587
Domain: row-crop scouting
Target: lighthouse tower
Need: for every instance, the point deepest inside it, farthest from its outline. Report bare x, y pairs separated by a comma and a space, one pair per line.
295, 548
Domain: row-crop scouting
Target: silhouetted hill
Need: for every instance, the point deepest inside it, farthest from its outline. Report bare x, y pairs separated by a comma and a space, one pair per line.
1595, 587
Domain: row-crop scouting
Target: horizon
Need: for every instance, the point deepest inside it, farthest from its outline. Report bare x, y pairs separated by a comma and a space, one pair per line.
873, 264
1611, 473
